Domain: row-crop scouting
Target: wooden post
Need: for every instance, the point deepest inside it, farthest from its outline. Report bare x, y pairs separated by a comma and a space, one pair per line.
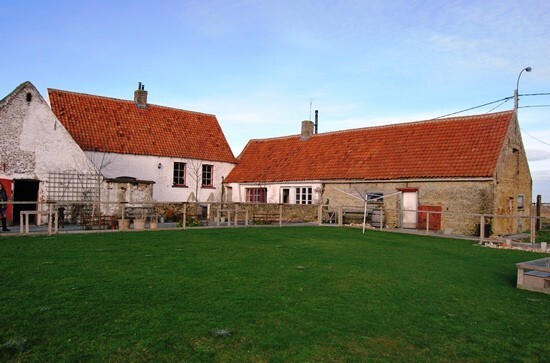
427, 222
122, 215
340, 215
481, 229
533, 221
280, 215
184, 221
218, 216
49, 219
56, 220
539, 206
246, 218
320, 215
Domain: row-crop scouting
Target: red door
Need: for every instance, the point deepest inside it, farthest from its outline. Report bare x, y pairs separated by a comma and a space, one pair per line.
7, 184
434, 220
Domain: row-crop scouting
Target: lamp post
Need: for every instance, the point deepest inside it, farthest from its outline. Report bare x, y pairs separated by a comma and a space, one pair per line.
516, 94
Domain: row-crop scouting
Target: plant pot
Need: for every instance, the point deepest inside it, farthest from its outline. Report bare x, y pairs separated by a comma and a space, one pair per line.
139, 223
153, 225
126, 223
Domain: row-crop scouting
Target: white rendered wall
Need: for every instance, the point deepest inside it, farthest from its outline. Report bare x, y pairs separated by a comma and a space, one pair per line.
147, 168
274, 191
34, 143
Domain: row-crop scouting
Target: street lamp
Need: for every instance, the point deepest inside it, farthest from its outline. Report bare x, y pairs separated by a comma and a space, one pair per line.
516, 95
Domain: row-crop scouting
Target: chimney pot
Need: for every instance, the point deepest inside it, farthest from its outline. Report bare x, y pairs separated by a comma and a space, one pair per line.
140, 96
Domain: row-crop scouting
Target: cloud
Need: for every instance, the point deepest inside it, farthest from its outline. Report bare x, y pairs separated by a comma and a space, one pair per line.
537, 155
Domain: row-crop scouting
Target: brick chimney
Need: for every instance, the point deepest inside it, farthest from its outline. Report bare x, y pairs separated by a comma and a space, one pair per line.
307, 130
140, 96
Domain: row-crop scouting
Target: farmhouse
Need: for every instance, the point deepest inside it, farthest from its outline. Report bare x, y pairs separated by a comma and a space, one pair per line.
184, 153
83, 147
458, 165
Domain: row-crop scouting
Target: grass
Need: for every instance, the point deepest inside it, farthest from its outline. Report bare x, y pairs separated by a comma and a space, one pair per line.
265, 295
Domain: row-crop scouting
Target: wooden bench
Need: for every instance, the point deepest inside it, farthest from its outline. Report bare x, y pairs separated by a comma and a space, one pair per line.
101, 222
265, 218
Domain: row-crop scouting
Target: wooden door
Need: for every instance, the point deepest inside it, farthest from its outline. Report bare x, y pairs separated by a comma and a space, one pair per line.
409, 205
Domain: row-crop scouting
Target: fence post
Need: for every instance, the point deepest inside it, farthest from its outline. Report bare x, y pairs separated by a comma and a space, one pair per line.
49, 219
280, 215
184, 220
246, 218
340, 216
122, 214
427, 223
533, 221
481, 229
320, 214
539, 220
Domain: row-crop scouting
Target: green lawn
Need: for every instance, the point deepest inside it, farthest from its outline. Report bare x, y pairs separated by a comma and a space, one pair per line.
311, 294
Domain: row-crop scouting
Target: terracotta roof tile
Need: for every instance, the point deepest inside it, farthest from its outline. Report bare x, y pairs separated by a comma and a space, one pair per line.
117, 126
445, 148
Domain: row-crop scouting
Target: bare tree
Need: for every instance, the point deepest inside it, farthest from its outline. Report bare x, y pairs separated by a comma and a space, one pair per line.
195, 170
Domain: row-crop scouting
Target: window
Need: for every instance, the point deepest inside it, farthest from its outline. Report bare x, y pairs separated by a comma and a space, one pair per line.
375, 197
521, 202
256, 195
304, 195
207, 175
179, 174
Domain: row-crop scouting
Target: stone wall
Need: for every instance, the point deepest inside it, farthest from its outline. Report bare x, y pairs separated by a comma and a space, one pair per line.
456, 198
291, 213
34, 143
514, 180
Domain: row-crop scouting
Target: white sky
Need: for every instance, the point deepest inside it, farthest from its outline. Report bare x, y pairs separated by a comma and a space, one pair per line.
257, 65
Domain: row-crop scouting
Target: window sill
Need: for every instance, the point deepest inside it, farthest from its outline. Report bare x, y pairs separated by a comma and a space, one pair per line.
208, 187
179, 186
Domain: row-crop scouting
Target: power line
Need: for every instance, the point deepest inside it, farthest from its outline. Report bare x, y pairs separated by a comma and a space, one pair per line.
497, 106
545, 143
536, 94
473, 108
503, 100
534, 106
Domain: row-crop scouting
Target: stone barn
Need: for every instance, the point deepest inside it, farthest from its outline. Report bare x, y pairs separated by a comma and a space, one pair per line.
456, 167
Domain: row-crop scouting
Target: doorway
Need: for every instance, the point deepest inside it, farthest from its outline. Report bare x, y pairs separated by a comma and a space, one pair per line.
25, 191
285, 196
409, 205
6, 183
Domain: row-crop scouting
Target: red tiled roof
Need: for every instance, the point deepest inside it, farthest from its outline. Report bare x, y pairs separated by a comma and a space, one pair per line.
118, 126
458, 147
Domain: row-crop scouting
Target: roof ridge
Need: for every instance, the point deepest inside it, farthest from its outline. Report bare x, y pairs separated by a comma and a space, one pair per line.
128, 101
418, 122
377, 127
